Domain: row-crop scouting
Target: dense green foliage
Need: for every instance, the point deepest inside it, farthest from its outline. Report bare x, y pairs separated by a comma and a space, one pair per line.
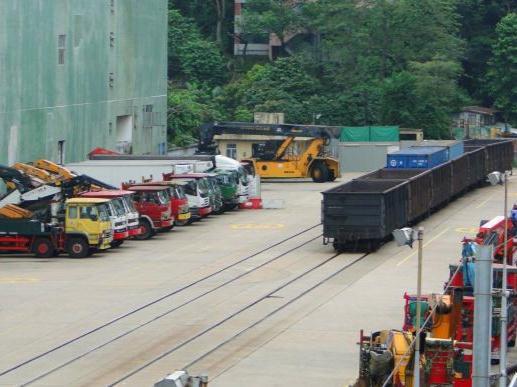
503, 67
404, 62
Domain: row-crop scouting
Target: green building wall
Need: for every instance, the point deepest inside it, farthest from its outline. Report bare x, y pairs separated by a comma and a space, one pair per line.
109, 92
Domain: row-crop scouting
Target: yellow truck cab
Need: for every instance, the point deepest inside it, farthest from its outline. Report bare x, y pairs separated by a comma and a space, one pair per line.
87, 225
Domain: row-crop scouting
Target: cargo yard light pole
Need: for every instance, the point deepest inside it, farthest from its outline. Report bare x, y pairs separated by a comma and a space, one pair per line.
406, 237
499, 178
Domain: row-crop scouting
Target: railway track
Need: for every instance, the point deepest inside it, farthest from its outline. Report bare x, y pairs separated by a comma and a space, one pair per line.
326, 277
80, 352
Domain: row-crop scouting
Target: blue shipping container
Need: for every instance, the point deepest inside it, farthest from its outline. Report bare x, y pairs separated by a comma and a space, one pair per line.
418, 157
454, 148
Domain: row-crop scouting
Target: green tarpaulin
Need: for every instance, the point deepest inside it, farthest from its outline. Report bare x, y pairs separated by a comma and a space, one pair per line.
355, 134
384, 133
370, 134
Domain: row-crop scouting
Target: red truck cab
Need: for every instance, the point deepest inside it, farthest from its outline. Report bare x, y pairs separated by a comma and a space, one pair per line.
153, 204
179, 202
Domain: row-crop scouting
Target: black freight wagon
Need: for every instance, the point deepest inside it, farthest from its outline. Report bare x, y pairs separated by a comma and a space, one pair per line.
419, 188
498, 153
361, 214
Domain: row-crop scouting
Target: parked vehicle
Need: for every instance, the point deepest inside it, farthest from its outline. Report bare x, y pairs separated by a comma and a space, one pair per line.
179, 202
214, 191
123, 214
84, 229
153, 205
196, 189
228, 184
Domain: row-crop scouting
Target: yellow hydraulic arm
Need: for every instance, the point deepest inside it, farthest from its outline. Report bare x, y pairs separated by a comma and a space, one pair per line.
33, 171
54, 168
12, 211
283, 148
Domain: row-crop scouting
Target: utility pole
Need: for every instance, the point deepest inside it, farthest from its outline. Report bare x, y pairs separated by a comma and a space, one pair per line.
482, 316
504, 293
416, 370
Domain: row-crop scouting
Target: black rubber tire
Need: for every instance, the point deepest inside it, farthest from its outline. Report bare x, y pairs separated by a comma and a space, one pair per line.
117, 243
320, 173
43, 248
77, 247
332, 177
147, 230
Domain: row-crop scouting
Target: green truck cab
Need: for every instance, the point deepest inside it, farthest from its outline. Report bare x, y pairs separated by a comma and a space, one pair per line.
229, 187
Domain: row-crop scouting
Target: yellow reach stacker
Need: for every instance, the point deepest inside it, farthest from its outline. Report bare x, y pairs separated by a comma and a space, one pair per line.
300, 153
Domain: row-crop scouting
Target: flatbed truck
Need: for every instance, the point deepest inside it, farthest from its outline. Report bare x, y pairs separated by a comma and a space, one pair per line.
86, 228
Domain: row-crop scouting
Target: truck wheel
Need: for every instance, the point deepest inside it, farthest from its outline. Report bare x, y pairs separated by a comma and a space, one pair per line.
43, 248
332, 176
117, 243
320, 173
147, 231
77, 248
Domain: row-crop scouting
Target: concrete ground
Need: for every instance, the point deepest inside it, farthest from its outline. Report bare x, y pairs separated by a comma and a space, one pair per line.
300, 306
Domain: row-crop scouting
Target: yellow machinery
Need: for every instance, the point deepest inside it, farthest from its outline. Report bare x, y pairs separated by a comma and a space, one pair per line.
12, 211
289, 158
288, 162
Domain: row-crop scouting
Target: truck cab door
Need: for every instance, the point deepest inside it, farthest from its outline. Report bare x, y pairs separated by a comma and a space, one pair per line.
72, 215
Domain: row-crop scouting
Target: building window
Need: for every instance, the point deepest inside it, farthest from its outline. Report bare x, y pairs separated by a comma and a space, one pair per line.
61, 44
231, 151
148, 116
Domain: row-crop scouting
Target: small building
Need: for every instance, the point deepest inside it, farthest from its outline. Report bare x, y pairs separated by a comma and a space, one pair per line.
75, 75
472, 119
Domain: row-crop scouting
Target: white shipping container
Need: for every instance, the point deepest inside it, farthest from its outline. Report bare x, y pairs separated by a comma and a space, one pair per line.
116, 172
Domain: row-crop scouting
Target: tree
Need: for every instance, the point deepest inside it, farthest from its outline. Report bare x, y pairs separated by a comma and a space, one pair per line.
188, 108
478, 22
191, 57
277, 17
503, 67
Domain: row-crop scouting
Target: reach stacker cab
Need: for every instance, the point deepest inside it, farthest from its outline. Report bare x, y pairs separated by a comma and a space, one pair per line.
85, 228
196, 189
124, 216
179, 202
153, 204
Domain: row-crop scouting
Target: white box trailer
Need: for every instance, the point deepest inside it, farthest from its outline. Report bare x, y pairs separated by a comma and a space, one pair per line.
116, 172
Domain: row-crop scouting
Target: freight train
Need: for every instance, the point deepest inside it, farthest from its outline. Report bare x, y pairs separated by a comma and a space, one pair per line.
361, 214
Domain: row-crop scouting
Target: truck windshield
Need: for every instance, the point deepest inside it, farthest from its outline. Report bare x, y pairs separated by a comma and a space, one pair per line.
163, 197
180, 192
111, 209
243, 176
202, 186
119, 207
103, 210
129, 204
190, 188
223, 179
